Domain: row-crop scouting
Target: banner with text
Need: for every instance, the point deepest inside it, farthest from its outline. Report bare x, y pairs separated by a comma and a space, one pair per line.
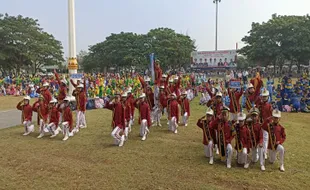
214, 58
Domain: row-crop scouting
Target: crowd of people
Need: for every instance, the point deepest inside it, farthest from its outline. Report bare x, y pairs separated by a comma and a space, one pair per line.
240, 116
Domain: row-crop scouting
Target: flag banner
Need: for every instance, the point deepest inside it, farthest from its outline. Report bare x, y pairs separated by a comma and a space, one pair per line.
76, 76
235, 84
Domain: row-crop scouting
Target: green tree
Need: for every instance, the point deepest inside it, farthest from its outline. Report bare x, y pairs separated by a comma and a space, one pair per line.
281, 39
129, 49
24, 45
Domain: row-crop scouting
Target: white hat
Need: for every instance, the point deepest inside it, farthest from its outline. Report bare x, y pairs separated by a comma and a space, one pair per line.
142, 95
45, 84
219, 94
129, 89
124, 95
64, 81
184, 93
80, 86
53, 101
241, 116
249, 119
164, 76
147, 79
225, 108
254, 111
97, 97
209, 111
176, 78
276, 113
250, 86
128, 92
27, 98
265, 93
67, 99
173, 94
170, 80
161, 87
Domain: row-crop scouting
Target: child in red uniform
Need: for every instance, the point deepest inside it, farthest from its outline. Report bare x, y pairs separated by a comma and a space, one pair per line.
26, 115
67, 120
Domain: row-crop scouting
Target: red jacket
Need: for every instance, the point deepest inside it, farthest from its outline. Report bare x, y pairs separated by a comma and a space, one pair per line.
217, 107
265, 110
62, 89
235, 101
228, 130
174, 109
276, 132
208, 134
54, 115
67, 116
41, 109
118, 114
132, 106
258, 134
127, 109
26, 111
81, 101
47, 96
145, 113
243, 136
163, 99
184, 103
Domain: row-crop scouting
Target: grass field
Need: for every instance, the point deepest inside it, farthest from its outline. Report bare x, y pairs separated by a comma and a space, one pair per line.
165, 161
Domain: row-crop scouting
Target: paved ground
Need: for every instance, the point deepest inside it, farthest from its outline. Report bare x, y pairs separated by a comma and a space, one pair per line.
12, 118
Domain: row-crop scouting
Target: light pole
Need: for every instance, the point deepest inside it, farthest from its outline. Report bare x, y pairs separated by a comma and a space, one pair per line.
216, 20
72, 61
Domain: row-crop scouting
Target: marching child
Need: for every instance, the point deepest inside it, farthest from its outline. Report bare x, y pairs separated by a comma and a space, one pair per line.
26, 115
208, 134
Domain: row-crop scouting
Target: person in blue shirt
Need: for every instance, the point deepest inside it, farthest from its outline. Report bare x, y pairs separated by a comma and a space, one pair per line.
279, 102
295, 102
270, 83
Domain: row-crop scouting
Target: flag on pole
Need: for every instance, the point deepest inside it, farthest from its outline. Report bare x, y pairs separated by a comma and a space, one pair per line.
152, 58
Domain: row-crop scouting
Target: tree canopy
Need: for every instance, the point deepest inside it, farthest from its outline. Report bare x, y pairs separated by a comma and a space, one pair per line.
25, 46
130, 49
282, 39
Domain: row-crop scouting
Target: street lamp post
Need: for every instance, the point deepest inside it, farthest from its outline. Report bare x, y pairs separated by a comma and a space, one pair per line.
216, 20
72, 61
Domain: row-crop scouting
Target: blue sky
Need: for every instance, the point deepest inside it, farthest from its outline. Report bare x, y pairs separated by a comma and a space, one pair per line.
96, 19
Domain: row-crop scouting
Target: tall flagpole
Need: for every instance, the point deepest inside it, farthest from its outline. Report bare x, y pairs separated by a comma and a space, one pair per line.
216, 20
72, 62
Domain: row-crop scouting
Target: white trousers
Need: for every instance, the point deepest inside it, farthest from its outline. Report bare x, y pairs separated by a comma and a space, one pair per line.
143, 127
173, 124
65, 128
272, 154
229, 152
42, 127
209, 149
28, 126
258, 153
233, 116
52, 128
80, 119
116, 134
265, 141
242, 157
156, 115
185, 118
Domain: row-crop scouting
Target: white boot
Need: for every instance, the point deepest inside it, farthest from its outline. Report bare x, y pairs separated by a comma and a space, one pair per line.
217, 149
66, 135
246, 165
282, 168
228, 166
262, 168
41, 135
145, 134
121, 143
211, 160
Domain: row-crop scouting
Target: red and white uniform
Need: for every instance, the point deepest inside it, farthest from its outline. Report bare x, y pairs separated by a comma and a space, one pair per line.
173, 115
26, 117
